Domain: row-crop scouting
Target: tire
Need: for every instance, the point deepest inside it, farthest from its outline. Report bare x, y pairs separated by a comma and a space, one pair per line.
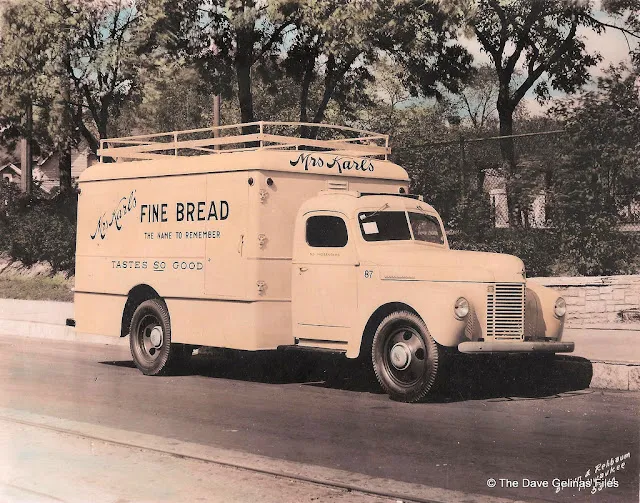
405, 357
150, 340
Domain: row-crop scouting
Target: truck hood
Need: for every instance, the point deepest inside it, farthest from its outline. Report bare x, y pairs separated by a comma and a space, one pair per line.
422, 262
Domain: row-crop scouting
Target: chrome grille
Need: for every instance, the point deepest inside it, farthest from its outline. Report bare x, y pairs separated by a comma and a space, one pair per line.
505, 311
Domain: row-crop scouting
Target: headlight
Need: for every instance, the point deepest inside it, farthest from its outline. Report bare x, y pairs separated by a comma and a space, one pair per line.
461, 308
560, 308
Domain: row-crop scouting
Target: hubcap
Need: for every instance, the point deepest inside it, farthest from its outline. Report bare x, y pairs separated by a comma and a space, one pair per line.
405, 356
150, 337
400, 356
156, 337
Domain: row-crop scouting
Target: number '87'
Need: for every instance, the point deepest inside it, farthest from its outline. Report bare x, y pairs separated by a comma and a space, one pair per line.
368, 274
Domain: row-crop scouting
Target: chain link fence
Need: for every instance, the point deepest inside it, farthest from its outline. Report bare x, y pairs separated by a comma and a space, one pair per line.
522, 195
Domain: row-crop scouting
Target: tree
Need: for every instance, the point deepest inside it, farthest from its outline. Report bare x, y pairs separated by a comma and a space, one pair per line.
327, 47
226, 40
597, 186
477, 100
77, 62
540, 37
22, 61
340, 44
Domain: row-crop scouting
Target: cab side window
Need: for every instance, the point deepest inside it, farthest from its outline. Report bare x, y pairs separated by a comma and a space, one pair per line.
324, 231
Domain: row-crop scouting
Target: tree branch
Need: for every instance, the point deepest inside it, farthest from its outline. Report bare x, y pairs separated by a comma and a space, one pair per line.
503, 28
625, 31
273, 38
543, 67
524, 37
486, 44
469, 111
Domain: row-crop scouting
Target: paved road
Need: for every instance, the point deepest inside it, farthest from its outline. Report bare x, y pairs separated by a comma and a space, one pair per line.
522, 428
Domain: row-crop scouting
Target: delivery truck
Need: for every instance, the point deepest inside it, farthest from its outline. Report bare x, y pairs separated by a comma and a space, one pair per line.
251, 237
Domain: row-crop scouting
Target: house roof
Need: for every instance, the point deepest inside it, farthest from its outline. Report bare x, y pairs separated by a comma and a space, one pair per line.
11, 167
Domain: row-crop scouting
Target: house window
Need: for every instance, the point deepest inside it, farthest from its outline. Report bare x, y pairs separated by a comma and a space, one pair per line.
325, 231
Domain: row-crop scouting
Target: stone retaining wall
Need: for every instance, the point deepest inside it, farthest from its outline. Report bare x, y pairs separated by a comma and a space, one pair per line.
598, 300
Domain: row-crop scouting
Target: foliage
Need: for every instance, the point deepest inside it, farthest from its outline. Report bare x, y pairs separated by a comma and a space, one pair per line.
599, 178
545, 36
171, 99
226, 40
77, 62
326, 47
538, 248
37, 230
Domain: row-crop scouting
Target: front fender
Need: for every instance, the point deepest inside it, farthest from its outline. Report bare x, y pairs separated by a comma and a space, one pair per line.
541, 321
432, 301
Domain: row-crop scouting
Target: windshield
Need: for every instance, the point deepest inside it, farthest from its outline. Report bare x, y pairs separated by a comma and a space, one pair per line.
393, 226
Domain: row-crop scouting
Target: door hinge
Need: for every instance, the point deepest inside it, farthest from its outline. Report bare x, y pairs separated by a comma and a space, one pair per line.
241, 244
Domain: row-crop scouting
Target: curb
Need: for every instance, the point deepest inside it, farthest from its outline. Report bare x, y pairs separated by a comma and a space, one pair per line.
55, 332
627, 326
623, 376
611, 375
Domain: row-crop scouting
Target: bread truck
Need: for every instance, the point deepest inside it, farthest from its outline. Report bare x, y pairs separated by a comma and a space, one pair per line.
252, 238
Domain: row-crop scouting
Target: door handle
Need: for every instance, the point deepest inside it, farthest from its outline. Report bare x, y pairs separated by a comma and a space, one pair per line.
303, 269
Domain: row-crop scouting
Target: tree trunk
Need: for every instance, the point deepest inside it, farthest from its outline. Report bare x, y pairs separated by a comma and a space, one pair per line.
216, 119
64, 164
245, 97
307, 79
507, 152
26, 177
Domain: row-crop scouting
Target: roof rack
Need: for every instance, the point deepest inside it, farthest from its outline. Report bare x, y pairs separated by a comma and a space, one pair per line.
248, 136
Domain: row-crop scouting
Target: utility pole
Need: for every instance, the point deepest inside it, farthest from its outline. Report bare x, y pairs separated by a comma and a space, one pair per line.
65, 121
26, 177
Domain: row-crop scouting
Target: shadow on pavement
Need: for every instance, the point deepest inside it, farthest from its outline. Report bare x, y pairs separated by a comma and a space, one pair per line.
516, 376
468, 377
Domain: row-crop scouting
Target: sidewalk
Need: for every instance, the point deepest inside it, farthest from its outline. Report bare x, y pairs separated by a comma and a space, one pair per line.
611, 352
600, 345
40, 465
45, 459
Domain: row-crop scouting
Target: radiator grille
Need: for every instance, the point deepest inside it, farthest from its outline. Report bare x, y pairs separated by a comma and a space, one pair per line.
505, 311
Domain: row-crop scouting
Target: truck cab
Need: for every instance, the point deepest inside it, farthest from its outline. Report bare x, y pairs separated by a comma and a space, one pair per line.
374, 273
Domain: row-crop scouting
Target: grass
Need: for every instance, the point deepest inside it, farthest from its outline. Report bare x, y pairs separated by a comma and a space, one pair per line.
36, 288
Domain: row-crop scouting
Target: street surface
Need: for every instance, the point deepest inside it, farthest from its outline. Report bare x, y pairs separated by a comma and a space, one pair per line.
495, 421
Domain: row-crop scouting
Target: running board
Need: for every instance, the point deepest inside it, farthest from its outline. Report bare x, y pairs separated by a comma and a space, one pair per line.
340, 346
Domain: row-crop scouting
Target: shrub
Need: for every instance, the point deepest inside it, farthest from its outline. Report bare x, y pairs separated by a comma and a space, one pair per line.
538, 248
38, 230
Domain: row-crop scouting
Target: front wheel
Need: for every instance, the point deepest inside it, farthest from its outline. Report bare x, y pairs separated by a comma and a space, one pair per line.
150, 340
405, 357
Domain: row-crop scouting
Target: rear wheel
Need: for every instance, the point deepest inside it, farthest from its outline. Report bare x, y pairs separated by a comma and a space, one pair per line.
405, 357
150, 340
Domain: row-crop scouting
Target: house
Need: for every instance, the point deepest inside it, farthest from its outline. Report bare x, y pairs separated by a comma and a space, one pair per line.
10, 173
495, 185
46, 173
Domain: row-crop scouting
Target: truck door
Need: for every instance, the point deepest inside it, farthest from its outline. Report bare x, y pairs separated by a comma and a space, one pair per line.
324, 280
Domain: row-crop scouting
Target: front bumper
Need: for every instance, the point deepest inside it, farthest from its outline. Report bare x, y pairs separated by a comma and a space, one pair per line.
516, 347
